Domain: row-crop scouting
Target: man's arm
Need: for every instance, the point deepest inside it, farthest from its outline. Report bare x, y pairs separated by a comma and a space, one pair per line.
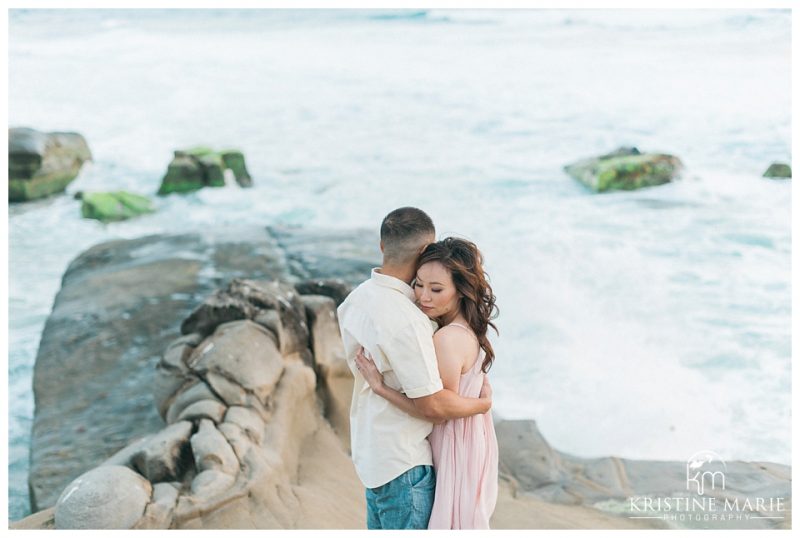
437, 408
446, 404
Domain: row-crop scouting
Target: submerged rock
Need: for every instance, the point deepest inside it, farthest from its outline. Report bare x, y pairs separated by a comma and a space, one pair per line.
40, 164
199, 167
779, 171
114, 206
625, 169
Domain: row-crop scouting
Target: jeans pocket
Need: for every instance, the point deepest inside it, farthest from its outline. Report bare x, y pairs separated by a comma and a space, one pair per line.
422, 477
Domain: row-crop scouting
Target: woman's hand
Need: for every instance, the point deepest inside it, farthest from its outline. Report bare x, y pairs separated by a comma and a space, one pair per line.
486, 391
368, 370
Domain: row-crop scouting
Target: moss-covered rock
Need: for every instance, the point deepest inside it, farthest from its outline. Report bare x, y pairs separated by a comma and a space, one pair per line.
625, 169
234, 160
114, 206
194, 168
779, 171
41, 164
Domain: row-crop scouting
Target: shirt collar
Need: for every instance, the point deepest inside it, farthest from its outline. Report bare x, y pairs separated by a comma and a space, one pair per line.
392, 282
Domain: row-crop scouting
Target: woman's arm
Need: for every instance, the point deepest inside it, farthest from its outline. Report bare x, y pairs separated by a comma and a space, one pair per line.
440, 406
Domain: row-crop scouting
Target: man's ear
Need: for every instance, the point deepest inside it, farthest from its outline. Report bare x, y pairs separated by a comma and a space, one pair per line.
381, 247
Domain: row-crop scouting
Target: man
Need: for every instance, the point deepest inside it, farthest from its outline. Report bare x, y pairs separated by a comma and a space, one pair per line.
389, 447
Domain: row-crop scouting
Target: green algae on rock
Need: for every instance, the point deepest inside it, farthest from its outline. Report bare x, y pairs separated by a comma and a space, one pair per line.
41, 164
779, 171
194, 168
625, 169
114, 206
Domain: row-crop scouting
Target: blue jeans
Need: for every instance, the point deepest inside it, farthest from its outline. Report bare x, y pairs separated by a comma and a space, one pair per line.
402, 503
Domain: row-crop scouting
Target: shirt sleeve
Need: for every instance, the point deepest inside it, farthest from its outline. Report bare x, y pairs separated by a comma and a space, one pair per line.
413, 359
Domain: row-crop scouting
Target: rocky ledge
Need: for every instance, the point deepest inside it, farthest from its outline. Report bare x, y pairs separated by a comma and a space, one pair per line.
198, 381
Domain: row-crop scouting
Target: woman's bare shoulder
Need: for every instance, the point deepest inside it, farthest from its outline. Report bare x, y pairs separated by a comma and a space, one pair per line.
455, 338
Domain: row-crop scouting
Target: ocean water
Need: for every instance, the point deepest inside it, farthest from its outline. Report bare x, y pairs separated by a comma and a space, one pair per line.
649, 324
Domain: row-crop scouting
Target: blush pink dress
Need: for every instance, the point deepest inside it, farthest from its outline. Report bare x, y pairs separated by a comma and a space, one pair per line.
465, 460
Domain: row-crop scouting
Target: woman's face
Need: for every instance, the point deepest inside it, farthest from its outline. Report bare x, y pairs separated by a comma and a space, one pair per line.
435, 292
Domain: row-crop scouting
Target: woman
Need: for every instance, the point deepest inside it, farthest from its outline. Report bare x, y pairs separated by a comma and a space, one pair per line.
452, 289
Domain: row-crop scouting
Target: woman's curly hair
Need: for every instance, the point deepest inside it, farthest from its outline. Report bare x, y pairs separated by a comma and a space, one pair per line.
476, 300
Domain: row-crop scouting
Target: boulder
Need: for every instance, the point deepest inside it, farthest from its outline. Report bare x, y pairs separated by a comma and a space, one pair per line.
779, 171
234, 161
114, 206
221, 307
210, 409
335, 288
246, 419
195, 393
184, 174
625, 169
244, 353
165, 456
40, 164
194, 168
283, 299
159, 513
212, 451
107, 497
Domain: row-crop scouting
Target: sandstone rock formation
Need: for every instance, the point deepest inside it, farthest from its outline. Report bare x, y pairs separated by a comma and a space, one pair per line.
40, 164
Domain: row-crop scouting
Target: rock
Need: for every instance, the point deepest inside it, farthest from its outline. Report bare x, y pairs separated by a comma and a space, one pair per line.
125, 455
165, 456
219, 308
40, 164
283, 299
212, 451
527, 456
107, 497
195, 393
211, 483
114, 206
159, 513
336, 379
779, 171
167, 383
231, 392
171, 373
348, 255
119, 308
245, 353
234, 161
210, 409
214, 169
335, 288
184, 174
199, 167
625, 169
248, 420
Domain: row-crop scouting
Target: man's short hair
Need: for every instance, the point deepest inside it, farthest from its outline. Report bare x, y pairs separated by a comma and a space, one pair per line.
404, 232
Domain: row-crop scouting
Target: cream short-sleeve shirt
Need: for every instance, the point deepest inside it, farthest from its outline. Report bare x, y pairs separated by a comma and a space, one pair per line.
381, 316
